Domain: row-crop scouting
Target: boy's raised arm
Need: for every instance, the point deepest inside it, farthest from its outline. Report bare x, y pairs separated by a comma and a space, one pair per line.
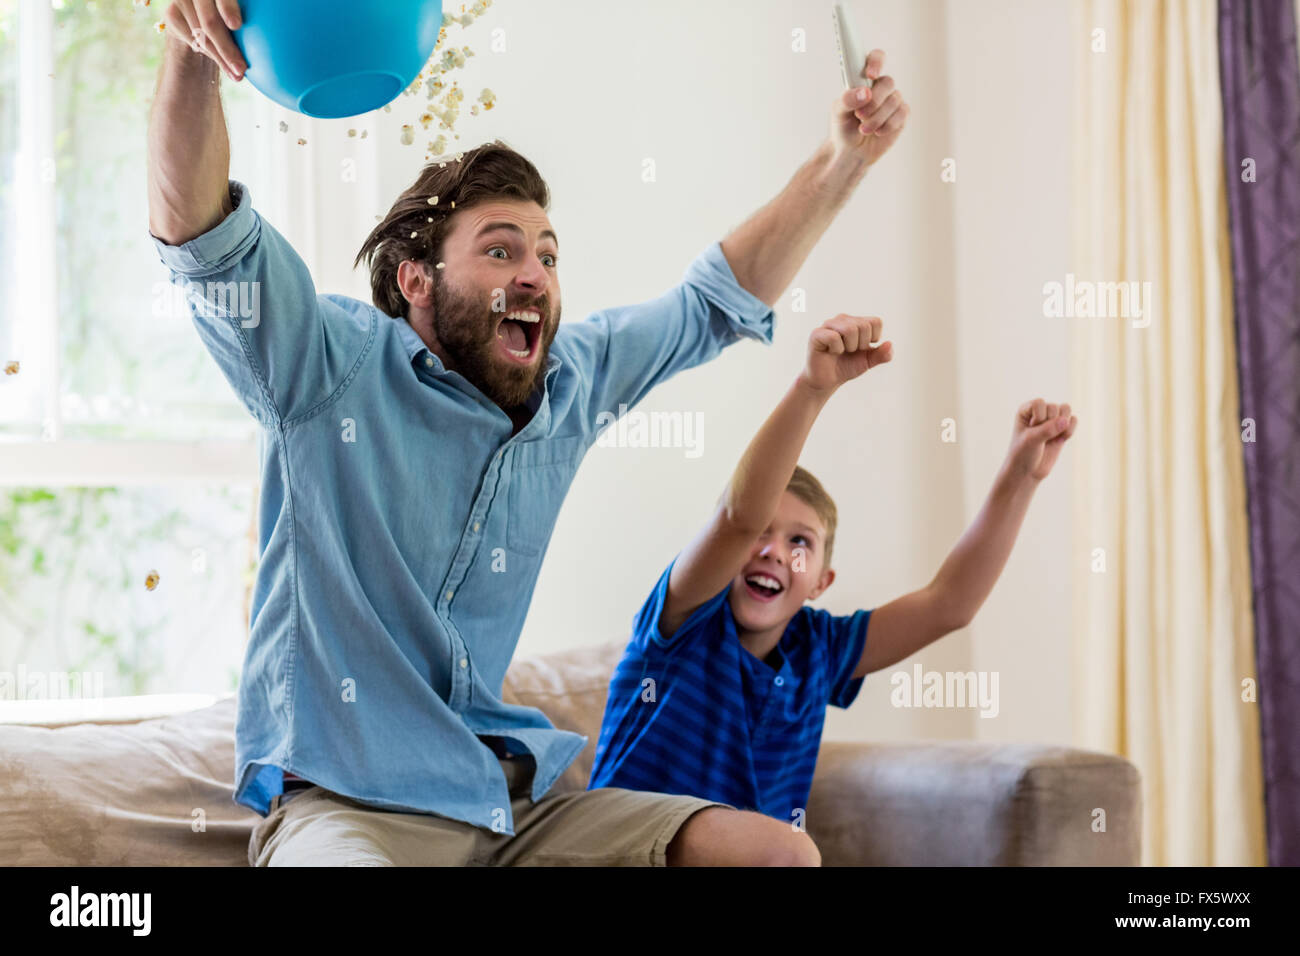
904, 626
838, 351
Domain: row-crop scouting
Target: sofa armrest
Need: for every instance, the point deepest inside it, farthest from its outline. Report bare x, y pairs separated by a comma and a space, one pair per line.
959, 803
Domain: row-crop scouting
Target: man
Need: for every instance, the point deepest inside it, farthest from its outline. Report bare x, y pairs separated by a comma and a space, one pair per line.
415, 455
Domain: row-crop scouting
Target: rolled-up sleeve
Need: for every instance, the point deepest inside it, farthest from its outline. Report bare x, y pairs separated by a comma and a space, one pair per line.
282, 348
624, 352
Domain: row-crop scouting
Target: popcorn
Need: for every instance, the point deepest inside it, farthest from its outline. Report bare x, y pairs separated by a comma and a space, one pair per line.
352, 133
433, 200
11, 368
441, 265
302, 142
365, 133
151, 581
408, 134
160, 26
415, 235
442, 61
284, 127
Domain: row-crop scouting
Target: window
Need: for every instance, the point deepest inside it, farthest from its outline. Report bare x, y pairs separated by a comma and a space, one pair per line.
123, 451
135, 590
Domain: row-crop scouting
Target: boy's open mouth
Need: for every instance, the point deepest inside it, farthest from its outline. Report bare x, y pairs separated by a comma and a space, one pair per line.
518, 333
763, 587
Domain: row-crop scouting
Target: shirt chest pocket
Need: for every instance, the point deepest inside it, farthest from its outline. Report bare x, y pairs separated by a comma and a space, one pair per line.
540, 475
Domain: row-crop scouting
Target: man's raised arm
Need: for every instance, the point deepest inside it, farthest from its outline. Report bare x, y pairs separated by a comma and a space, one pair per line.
189, 150
767, 250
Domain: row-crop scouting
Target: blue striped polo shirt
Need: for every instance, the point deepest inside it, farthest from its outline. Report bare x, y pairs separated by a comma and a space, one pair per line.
696, 713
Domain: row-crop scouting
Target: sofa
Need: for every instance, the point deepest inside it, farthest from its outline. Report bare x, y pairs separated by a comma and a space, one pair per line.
159, 792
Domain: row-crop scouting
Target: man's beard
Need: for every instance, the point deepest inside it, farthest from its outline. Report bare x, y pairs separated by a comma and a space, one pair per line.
466, 329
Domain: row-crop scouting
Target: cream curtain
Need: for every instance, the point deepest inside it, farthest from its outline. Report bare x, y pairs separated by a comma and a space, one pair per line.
1163, 635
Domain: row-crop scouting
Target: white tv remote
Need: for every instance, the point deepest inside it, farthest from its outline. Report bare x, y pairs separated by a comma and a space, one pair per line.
853, 55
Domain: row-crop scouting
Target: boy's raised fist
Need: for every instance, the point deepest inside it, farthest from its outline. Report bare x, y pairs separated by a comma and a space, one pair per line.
842, 348
1041, 430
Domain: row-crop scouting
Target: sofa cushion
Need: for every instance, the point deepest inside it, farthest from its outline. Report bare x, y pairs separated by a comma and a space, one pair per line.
155, 793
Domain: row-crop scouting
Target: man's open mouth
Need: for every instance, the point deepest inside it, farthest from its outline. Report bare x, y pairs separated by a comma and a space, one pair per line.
763, 587
518, 334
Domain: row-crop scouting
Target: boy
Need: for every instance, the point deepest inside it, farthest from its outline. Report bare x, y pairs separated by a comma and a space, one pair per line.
723, 689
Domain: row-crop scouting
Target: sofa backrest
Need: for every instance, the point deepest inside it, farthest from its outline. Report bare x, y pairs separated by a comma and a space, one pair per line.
570, 688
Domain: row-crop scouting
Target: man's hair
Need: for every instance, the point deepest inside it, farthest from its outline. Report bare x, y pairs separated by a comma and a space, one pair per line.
810, 491
486, 173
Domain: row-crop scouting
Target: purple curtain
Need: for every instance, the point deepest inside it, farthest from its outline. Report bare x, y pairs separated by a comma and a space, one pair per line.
1260, 77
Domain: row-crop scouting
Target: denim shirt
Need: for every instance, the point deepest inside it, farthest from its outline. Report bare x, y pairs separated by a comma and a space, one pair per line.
401, 526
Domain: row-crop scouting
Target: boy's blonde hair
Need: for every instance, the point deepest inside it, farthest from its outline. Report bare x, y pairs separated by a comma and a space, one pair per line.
809, 490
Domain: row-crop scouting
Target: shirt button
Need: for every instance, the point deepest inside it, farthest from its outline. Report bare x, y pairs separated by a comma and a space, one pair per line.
464, 662
780, 681
428, 360
449, 594
475, 525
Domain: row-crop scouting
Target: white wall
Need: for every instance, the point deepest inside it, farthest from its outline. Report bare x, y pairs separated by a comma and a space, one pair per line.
1009, 73
728, 112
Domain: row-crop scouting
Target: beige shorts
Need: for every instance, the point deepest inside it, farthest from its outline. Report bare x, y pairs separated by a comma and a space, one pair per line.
604, 827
